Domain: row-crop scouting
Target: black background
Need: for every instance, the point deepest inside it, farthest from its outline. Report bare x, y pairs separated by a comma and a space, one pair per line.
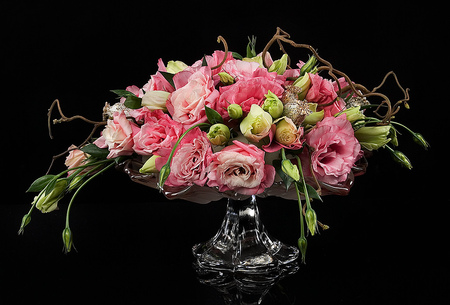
387, 243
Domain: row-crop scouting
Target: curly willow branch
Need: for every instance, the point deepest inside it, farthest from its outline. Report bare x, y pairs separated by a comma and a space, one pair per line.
68, 119
358, 89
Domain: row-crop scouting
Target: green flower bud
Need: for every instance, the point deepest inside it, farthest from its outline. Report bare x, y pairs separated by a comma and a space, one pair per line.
226, 78
311, 220
75, 182
279, 65
235, 111
256, 125
401, 158
175, 66
373, 137
353, 114
419, 139
49, 202
163, 175
308, 66
302, 245
290, 169
67, 239
273, 105
219, 134
149, 166
25, 221
303, 82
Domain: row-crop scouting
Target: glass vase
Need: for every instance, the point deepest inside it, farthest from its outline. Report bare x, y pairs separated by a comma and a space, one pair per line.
242, 244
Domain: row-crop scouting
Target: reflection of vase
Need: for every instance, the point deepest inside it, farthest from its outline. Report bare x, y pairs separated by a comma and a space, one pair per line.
242, 243
247, 288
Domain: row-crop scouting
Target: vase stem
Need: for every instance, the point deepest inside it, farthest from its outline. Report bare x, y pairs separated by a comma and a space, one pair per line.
242, 243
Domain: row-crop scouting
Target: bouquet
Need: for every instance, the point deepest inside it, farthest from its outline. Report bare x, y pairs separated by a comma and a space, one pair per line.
235, 125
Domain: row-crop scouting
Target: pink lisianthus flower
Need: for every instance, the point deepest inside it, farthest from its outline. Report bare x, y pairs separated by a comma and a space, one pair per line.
322, 92
135, 90
334, 149
118, 136
187, 104
241, 168
245, 93
76, 158
189, 163
158, 131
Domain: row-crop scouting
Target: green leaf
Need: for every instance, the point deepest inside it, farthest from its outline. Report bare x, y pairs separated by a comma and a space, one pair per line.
123, 93
169, 77
237, 55
204, 62
95, 151
213, 116
251, 52
133, 102
40, 183
286, 179
311, 191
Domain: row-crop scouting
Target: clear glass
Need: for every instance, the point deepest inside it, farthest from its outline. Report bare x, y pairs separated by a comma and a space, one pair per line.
242, 243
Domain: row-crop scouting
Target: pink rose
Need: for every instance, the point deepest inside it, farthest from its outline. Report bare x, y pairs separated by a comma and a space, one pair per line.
334, 149
118, 136
187, 104
158, 131
190, 160
241, 168
246, 93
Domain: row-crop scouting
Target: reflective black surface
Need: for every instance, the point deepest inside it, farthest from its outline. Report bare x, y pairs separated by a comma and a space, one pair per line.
387, 242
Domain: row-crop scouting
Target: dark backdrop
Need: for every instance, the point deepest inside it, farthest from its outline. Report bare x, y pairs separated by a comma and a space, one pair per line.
387, 242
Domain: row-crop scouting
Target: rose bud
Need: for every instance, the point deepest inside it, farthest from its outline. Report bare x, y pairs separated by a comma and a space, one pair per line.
219, 134
273, 105
287, 133
235, 111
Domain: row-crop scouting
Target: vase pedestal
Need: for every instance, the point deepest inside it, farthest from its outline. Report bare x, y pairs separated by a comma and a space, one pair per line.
242, 244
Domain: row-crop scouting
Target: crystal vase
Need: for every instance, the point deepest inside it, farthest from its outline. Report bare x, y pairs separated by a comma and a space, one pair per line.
242, 244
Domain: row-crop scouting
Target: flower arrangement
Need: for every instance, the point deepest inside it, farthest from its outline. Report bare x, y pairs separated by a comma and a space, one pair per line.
236, 126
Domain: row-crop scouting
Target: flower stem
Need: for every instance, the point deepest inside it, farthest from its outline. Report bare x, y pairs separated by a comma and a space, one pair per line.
165, 170
80, 187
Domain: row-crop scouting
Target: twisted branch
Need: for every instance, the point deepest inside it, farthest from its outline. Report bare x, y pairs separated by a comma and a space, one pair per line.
64, 118
357, 89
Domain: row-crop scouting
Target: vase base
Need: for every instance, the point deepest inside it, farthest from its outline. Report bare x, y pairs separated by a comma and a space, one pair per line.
269, 255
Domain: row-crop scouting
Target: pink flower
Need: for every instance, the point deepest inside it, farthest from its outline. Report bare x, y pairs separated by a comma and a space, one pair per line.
334, 149
158, 131
246, 93
187, 104
76, 158
322, 92
190, 160
241, 168
118, 136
